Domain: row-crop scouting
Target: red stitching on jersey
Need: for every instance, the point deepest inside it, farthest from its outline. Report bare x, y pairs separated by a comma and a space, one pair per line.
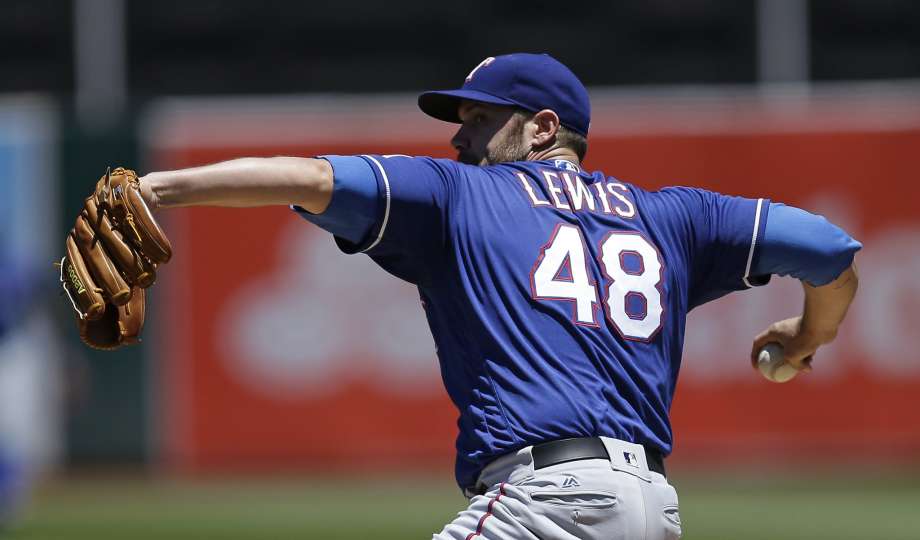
501, 491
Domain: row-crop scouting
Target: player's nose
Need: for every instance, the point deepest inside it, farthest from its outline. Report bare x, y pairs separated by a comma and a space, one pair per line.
460, 141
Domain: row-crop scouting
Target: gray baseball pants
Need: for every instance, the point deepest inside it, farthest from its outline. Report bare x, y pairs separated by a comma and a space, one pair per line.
599, 499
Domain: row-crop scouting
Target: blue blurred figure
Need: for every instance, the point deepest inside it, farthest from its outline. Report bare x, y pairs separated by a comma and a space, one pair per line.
15, 288
11, 488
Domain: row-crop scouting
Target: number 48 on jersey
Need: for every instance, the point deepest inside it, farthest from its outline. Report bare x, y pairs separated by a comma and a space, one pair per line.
632, 297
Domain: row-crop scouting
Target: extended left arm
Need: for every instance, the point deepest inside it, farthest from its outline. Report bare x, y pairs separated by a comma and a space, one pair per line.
243, 182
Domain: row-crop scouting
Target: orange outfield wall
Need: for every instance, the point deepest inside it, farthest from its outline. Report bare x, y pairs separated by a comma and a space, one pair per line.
292, 356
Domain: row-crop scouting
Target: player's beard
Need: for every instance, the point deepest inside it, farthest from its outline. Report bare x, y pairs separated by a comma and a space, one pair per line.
510, 149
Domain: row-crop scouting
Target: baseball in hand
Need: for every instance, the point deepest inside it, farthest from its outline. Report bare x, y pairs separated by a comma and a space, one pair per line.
772, 364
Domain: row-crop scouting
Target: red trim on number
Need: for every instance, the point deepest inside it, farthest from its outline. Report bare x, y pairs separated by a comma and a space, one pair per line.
605, 289
641, 315
623, 261
501, 491
595, 304
566, 264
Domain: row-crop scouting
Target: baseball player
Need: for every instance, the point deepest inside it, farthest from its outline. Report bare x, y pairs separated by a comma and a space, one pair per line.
557, 297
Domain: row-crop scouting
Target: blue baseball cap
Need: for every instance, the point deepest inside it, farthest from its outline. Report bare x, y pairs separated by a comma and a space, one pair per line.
531, 81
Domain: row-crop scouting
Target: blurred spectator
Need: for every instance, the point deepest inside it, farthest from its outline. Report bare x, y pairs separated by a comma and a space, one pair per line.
17, 289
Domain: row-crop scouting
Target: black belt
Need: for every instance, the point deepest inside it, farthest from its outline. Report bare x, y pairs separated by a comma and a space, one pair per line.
565, 450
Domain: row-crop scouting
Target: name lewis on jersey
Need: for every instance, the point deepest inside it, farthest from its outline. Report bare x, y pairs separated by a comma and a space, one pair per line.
567, 190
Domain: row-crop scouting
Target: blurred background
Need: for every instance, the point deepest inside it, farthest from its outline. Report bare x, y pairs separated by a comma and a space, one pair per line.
284, 390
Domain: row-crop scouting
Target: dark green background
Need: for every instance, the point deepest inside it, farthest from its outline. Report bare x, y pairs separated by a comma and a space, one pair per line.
107, 404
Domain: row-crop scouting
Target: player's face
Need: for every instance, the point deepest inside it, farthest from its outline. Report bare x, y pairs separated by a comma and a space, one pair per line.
490, 134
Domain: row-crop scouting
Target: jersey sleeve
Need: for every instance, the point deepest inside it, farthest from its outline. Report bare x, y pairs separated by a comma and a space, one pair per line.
805, 246
722, 236
411, 196
354, 207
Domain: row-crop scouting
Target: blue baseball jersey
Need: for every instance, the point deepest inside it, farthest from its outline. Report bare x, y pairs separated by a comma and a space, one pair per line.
557, 298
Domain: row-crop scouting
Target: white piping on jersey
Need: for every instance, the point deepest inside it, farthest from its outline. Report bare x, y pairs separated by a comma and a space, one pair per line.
386, 211
747, 270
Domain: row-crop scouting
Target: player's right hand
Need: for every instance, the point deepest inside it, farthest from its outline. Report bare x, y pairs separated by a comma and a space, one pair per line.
799, 345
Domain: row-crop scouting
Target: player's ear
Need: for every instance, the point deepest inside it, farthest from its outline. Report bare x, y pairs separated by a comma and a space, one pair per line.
546, 125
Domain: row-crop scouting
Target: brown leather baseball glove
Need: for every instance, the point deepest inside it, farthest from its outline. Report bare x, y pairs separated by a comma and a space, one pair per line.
111, 256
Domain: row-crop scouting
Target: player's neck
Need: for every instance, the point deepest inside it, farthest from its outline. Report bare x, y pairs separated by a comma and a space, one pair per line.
557, 152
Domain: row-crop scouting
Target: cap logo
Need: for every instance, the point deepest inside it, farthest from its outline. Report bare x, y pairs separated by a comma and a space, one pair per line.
482, 64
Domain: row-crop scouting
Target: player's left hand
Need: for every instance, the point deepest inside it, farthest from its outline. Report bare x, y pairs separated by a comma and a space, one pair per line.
111, 256
799, 346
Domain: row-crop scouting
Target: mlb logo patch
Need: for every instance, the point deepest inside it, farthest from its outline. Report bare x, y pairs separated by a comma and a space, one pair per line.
631, 459
565, 164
